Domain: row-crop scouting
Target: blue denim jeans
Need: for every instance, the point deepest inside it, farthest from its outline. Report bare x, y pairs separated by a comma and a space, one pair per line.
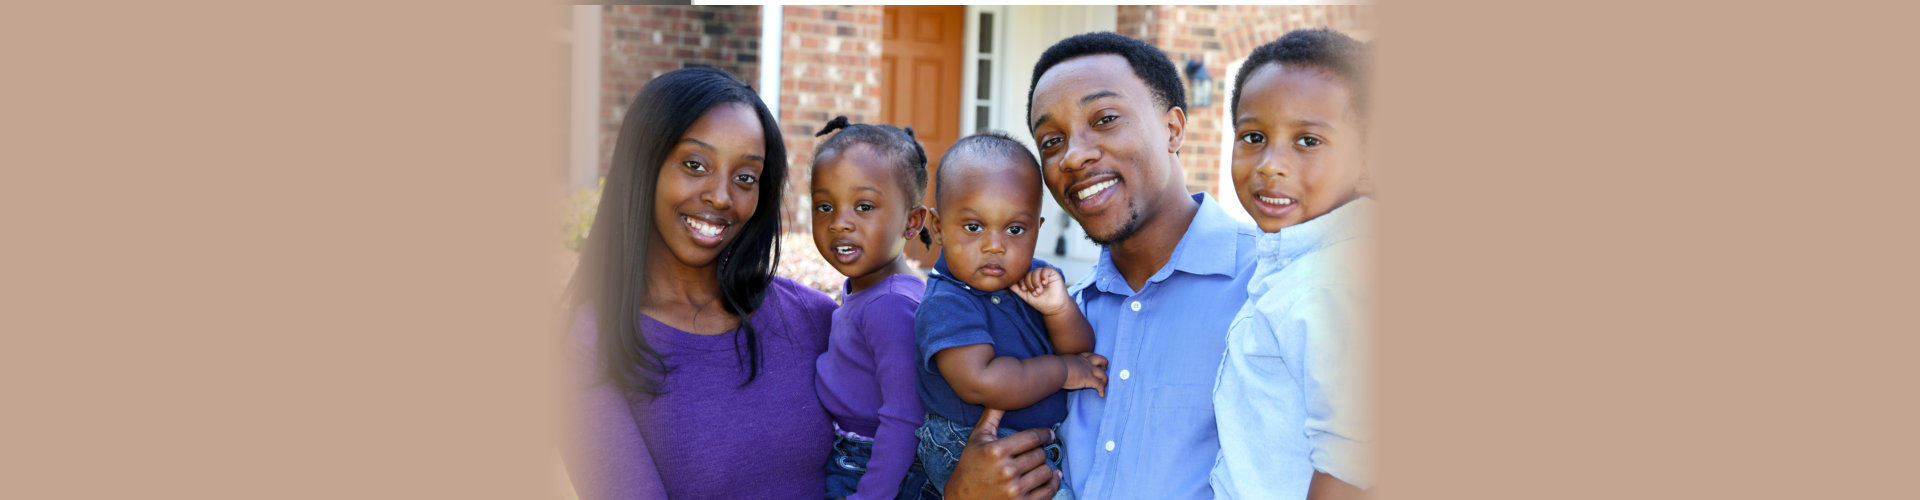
941, 441
849, 463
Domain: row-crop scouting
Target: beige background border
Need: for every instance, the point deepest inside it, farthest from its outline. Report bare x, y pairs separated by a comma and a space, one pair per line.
279, 251
300, 252
1647, 251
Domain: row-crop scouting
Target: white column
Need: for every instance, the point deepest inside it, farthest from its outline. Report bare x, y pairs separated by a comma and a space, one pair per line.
771, 21
583, 146
970, 69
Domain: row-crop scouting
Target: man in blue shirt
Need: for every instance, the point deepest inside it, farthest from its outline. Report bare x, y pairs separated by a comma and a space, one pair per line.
1108, 114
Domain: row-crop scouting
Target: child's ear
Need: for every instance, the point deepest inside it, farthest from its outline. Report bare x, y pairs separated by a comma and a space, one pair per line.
916, 220
1176, 128
933, 224
1038, 225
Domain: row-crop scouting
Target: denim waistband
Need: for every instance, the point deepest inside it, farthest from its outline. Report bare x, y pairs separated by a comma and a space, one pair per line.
966, 430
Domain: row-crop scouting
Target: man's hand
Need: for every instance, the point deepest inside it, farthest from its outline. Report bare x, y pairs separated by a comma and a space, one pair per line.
1010, 468
1044, 291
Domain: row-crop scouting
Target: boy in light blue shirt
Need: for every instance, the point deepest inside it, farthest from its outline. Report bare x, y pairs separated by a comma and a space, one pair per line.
1291, 396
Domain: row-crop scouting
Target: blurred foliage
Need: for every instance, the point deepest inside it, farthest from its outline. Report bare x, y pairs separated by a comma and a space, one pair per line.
800, 261
579, 217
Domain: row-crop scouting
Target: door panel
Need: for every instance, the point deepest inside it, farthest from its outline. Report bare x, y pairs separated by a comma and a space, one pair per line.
921, 53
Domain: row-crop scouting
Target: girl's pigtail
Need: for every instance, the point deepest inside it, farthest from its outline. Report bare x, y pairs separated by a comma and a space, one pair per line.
920, 176
837, 123
915, 141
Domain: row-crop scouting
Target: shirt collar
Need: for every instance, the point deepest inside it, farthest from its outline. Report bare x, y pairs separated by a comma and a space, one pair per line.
940, 271
846, 287
1344, 223
1208, 247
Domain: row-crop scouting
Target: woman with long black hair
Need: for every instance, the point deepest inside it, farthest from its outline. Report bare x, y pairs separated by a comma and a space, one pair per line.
691, 364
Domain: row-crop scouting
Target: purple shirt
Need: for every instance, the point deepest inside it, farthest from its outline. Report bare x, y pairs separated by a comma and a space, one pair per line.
707, 436
868, 378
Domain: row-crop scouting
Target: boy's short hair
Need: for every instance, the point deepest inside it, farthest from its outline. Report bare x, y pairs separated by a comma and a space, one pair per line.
1321, 48
1148, 62
992, 142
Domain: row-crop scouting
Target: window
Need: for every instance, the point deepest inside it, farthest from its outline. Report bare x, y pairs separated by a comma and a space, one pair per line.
986, 57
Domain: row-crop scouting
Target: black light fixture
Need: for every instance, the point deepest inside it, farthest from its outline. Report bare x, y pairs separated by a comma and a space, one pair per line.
1202, 84
1060, 243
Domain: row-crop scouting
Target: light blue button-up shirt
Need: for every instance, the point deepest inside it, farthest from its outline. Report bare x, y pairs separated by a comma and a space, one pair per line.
1153, 435
1291, 396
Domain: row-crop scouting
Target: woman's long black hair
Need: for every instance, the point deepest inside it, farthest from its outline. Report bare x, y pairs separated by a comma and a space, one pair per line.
612, 258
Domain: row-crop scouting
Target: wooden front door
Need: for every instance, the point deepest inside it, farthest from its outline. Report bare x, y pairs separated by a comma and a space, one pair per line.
921, 52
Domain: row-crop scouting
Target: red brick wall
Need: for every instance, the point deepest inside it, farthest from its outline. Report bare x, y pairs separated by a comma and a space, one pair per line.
829, 66
1217, 36
640, 42
830, 63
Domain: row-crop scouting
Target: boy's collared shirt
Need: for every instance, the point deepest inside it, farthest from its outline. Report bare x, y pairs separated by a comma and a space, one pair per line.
1290, 394
1153, 436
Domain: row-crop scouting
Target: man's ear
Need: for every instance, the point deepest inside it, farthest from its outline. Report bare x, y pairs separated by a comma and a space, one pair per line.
1176, 128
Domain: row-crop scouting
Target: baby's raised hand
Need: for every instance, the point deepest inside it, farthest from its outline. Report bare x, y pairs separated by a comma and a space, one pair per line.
1086, 371
1044, 290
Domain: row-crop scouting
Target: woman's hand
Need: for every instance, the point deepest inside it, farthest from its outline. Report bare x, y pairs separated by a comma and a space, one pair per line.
1003, 468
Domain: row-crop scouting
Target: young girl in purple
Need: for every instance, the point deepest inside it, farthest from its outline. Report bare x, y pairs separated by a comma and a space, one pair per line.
691, 367
867, 184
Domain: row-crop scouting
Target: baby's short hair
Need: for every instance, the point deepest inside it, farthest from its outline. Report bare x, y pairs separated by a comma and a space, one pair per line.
992, 142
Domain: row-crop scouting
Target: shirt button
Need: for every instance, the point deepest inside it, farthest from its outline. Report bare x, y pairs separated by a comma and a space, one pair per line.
1136, 306
1109, 445
996, 299
1124, 374
1286, 261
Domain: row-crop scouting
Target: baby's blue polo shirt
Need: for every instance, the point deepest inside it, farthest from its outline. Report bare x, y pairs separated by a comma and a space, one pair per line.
952, 314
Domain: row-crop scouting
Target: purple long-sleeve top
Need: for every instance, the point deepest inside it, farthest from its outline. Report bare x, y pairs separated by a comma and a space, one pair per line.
868, 378
707, 436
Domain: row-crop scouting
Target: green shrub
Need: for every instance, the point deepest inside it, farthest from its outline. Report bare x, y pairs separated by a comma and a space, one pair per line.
579, 216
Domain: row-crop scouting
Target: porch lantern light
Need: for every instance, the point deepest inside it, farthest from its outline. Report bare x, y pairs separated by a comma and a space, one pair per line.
1202, 84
